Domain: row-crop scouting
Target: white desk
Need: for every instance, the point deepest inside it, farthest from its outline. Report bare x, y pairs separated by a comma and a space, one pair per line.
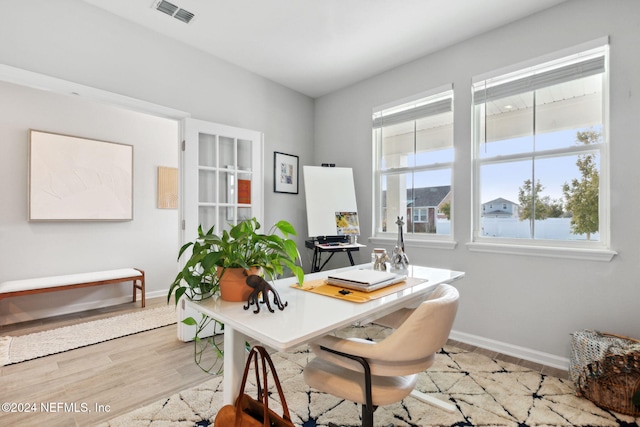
308, 316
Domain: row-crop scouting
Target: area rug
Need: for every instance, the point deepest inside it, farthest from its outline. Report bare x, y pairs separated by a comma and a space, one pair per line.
26, 347
486, 392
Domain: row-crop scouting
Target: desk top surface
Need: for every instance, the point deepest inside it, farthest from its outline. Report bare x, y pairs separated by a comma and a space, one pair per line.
309, 315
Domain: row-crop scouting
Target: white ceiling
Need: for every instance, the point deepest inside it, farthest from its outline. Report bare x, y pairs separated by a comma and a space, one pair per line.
318, 46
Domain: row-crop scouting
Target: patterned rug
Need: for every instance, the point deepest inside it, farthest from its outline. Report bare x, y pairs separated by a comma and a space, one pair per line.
486, 392
26, 347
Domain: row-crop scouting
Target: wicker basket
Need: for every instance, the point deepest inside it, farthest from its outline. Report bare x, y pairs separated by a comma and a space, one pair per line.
606, 370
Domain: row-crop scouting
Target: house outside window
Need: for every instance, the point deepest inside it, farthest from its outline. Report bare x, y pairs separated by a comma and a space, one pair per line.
413, 160
541, 151
500, 208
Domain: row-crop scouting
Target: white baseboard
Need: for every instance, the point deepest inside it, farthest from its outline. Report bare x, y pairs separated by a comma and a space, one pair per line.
156, 294
531, 355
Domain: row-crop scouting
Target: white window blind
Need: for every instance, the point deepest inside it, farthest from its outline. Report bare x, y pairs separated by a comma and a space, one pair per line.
491, 90
418, 112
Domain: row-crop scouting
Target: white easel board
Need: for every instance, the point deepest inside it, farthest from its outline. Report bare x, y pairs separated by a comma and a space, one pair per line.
327, 190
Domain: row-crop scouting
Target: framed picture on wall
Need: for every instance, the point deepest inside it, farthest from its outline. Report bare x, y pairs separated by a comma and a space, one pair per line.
285, 173
79, 179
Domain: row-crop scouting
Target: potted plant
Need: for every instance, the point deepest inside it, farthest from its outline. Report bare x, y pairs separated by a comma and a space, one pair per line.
215, 258
212, 260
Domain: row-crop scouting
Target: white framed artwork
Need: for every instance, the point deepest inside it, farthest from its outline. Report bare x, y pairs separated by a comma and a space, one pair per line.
79, 179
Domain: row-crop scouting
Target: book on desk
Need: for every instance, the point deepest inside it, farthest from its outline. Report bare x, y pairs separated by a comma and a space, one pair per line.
365, 280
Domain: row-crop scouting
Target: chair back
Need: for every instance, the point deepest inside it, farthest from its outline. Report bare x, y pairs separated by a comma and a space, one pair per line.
424, 332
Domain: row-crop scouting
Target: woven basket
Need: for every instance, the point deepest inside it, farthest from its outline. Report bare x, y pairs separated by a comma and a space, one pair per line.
606, 370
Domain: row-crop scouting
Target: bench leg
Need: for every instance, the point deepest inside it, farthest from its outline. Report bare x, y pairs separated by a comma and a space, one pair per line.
135, 291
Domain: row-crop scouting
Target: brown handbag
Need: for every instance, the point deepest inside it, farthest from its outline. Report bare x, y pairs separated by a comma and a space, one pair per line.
250, 412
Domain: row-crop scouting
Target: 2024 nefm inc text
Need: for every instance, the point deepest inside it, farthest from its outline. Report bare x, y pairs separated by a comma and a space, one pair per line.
54, 407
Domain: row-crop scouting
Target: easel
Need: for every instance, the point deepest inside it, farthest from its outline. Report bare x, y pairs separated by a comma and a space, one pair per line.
329, 191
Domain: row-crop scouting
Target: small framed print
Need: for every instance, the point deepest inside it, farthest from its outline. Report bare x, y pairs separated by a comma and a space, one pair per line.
167, 187
285, 173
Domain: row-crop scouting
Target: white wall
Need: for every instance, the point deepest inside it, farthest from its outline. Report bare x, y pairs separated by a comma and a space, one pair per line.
523, 305
74, 41
34, 249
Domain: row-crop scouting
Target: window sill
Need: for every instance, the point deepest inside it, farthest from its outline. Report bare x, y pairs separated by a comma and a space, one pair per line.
603, 255
432, 244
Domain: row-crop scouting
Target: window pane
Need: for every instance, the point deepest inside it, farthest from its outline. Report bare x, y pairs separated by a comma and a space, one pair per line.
393, 201
430, 200
569, 197
398, 145
226, 146
414, 149
512, 201
499, 183
567, 106
509, 126
422, 199
434, 139
562, 109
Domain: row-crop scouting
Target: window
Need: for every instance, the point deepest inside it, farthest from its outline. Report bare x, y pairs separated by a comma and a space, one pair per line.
540, 152
413, 160
419, 215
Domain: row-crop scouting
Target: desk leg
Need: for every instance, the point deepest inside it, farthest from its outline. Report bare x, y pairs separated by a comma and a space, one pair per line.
350, 258
326, 261
234, 362
315, 264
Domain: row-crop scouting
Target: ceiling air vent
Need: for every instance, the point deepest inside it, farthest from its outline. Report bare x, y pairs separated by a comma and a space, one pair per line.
166, 7
173, 10
183, 15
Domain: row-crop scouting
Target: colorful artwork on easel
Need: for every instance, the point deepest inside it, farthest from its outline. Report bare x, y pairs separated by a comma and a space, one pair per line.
347, 223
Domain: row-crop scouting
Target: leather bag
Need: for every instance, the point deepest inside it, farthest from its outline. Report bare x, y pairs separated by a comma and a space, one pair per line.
250, 412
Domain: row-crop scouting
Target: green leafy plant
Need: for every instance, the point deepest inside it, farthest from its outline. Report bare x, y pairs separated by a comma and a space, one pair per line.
241, 246
202, 344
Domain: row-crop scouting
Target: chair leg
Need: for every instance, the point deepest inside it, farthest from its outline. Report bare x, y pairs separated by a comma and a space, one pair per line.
367, 416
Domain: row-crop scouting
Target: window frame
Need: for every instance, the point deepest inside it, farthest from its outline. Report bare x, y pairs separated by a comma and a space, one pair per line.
594, 250
390, 236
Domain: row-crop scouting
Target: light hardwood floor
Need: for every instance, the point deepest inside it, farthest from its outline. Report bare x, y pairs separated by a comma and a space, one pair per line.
125, 374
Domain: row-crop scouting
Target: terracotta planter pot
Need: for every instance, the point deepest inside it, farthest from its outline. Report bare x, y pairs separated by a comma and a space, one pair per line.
233, 285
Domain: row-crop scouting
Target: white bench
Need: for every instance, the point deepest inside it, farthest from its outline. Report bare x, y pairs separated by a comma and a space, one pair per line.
14, 288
